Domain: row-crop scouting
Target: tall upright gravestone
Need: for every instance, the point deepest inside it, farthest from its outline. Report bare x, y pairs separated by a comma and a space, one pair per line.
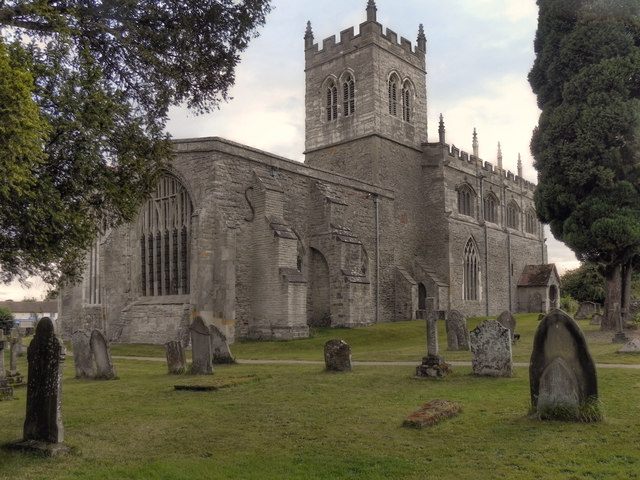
82, 356
457, 333
45, 355
176, 359
562, 374
102, 356
200, 348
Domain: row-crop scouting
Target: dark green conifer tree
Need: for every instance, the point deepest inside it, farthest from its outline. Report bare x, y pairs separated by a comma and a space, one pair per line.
586, 77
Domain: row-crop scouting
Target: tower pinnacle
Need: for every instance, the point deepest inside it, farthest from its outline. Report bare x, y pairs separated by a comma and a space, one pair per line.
422, 39
474, 143
308, 36
371, 11
499, 157
441, 130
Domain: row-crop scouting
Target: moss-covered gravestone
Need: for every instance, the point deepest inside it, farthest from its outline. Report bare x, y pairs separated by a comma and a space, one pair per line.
562, 374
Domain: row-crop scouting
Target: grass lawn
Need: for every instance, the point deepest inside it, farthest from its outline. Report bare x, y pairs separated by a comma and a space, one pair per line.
296, 421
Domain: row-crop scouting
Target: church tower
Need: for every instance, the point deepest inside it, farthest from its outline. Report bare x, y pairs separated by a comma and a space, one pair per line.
363, 91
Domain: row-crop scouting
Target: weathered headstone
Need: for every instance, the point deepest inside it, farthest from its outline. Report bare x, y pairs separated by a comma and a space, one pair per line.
102, 356
632, 346
2, 344
507, 320
433, 365
596, 319
45, 355
82, 354
176, 359
200, 348
562, 374
337, 356
457, 333
586, 309
219, 346
14, 340
491, 350
6, 392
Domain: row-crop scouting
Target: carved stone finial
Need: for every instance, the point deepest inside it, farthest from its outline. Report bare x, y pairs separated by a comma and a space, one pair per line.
499, 157
422, 39
308, 36
475, 143
371, 11
441, 130
519, 166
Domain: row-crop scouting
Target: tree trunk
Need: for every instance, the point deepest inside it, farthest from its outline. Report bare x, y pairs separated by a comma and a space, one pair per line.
613, 298
625, 300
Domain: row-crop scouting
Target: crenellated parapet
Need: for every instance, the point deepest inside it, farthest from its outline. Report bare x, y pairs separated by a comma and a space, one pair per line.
452, 154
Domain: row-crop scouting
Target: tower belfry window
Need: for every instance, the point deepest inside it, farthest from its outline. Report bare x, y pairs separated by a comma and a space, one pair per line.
348, 96
164, 225
393, 94
406, 102
332, 101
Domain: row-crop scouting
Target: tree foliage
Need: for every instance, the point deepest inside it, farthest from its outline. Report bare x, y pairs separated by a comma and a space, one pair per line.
6, 320
584, 284
85, 88
586, 147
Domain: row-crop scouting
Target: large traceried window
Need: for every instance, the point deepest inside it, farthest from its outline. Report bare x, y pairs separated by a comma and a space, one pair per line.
471, 274
332, 101
164, 240
348, 96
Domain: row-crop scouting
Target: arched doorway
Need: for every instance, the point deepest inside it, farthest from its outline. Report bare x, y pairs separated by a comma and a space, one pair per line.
318, 305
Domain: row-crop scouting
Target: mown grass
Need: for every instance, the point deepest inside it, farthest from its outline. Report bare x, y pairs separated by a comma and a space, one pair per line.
297, 421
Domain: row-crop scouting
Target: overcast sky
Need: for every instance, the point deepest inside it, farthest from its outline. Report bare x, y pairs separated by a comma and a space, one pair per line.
478, 55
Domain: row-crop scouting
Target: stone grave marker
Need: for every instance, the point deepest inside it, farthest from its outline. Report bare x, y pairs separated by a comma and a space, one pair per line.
562, 374
337, 356
596, 319
632, 346
200, 348
82, 357
491, 350
176, 359
507, 320
433, 365
6, 392
102, 356
457, 333
586, 309
219, 346
14, 340
46, 354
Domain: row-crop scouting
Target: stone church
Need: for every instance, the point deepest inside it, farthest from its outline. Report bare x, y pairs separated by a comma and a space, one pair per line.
377, 225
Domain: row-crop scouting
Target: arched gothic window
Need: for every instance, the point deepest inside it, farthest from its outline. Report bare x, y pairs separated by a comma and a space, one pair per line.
394, 88
348, 96
465, 201
531, 223
164, 240
491, 208
513, 214
332, 101
406, 102
471, 274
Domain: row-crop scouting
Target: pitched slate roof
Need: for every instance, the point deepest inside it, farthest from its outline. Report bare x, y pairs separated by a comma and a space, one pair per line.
537, 275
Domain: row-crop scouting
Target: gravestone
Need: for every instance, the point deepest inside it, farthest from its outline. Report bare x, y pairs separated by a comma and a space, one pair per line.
219, 346
337, 356
632, 346
14, 340
562, 374
176, 359
433, 365
82, 357
46, 356
102, 356
507, 320
457, 333
491, 350
200, 348
6, 392
586, 309
596, 319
